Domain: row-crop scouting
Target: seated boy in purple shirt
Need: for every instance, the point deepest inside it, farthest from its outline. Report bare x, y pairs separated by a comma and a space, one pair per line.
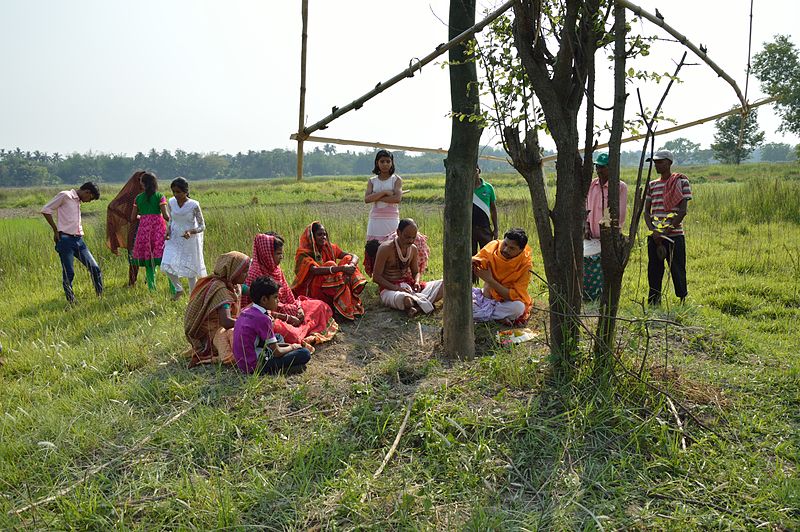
253, 333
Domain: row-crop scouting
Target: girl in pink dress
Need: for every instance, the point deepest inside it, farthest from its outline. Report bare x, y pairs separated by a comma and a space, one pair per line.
151, 208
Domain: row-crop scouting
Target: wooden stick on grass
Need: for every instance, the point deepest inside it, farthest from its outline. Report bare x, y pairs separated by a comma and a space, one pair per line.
393, 448
678, 421
96, 469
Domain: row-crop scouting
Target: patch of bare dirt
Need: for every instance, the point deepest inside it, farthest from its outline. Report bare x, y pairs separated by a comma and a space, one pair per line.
378, 335
31, 212
18, 212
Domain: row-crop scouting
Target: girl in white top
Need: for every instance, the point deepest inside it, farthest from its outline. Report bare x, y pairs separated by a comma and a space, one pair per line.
384, 191
183, 250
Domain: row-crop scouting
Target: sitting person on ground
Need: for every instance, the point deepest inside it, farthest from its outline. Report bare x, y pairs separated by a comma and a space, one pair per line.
256, 347
323, 271
504, 266
398, 276
300, 320
212, 310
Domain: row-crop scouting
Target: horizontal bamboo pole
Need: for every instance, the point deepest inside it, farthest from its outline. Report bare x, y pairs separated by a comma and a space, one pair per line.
408, 72
547, 158
687, 125
381, 145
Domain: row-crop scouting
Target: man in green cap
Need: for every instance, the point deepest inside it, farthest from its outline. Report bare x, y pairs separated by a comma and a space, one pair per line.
596, 208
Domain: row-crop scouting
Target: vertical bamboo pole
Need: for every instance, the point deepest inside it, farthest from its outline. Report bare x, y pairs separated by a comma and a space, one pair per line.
301, 121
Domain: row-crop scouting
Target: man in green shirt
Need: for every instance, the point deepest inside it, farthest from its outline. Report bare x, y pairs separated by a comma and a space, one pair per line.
483, 209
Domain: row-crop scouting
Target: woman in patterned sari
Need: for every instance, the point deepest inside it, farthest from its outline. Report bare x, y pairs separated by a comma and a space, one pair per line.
300, 320
212, 310
323, 271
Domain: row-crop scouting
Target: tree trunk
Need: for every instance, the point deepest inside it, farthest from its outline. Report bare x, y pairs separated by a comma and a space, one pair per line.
462, 159
559, 81
566, 281
613, 245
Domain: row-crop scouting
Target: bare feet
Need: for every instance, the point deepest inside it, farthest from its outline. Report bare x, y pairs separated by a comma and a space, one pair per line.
411, 309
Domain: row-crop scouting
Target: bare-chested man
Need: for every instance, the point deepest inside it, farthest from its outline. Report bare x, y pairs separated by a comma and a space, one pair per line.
397, 273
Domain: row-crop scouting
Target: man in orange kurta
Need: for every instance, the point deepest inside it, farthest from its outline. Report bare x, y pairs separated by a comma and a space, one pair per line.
505, 268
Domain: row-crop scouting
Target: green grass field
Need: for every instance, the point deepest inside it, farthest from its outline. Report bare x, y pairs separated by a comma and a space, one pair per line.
100, 413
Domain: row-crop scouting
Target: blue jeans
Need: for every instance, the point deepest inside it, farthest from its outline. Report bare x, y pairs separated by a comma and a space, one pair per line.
293, 360
68, 248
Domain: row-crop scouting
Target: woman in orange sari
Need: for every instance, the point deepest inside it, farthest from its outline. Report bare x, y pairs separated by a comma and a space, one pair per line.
325, 272
213, 308
300, 320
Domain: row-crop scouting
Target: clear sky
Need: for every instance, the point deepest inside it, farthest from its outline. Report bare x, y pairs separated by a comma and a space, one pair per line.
201, 75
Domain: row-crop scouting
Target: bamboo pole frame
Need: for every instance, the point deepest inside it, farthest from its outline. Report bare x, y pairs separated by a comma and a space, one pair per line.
302, 120
407, 73
305, 133
382, 145
659, 21
683, 126
367, 144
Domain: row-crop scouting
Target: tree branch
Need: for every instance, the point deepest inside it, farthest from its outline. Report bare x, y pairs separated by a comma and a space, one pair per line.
634, 227
526, 158
534, 61
687, 43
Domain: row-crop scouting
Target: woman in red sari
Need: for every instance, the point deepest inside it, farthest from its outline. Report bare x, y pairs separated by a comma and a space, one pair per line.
325, 272
299, 320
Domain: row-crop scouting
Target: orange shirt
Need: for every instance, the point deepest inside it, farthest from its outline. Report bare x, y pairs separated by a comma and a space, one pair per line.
514, 274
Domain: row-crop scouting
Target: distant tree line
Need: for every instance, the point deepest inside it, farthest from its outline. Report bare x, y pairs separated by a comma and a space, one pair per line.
20, 168
26, 168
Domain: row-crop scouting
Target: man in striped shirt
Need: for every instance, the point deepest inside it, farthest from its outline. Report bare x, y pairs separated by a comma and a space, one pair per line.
665, 208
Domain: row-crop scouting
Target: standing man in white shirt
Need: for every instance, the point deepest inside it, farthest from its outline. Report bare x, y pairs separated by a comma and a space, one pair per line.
68, 235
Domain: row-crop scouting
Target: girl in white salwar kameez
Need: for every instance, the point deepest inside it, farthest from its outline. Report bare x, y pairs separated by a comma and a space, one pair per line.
183, 250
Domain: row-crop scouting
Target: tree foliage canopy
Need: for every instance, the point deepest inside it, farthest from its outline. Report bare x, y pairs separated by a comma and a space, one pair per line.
774, 152
20, 168
726, 140
683, 149
777, 67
